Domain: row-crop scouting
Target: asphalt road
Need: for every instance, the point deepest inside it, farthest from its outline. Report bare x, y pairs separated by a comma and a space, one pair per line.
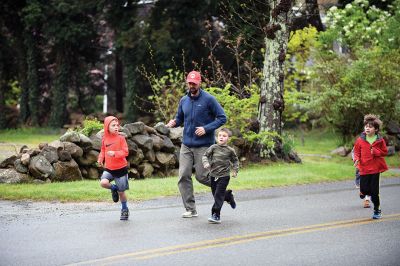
321, 224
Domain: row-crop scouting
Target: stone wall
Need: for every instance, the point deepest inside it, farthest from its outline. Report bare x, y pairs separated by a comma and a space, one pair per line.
153, 151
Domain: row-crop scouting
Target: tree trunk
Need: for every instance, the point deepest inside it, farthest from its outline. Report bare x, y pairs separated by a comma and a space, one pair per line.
271, 97
312, 12
119, 87
32, 78
309, 16
60, 90
131, 109
3, 121
22, 70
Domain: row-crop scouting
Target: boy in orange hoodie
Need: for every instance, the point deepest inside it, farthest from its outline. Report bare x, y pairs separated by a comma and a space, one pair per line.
114, 151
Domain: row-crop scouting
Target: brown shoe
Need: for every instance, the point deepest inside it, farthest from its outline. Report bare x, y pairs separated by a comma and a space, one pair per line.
367, 204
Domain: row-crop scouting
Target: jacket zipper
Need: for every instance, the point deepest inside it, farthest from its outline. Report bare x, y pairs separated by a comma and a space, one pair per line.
192, 121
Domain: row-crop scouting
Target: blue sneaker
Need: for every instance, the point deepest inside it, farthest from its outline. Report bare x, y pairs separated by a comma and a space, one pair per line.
124, 215
214, 219
377, 214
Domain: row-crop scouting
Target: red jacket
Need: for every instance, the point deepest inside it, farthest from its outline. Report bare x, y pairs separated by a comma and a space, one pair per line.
116, 143
370, 157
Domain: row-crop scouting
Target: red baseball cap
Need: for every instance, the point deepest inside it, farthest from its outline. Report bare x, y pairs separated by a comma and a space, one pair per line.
194, 77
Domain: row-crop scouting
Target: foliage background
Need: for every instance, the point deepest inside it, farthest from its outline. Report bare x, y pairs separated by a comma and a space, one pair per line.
54, 54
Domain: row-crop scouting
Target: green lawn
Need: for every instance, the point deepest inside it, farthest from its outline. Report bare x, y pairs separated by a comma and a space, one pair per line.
315, 142
29, 136
322, 142
313, 169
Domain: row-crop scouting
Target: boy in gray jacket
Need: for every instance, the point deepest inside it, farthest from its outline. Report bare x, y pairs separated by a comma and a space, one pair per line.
218, 160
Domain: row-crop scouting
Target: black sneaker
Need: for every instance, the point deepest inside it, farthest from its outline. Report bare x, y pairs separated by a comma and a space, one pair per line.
377, 214
115, 195
124, 215
231, 200
214, 219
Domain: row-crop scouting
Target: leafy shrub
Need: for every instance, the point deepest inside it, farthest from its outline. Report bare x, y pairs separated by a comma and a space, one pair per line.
167, 92
287, 143
241, 112
241, 115
363, 76
90, 126
297, 74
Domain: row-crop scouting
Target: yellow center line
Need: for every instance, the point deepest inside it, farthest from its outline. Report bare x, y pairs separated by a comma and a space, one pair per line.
234, 240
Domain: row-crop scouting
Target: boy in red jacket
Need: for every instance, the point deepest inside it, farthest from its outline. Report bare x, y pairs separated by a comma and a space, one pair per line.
114, 151
369, 150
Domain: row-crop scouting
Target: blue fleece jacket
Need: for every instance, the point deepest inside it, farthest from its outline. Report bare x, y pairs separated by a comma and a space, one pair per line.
200, 111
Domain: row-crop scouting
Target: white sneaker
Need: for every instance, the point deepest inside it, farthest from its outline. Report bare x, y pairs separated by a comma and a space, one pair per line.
190, 214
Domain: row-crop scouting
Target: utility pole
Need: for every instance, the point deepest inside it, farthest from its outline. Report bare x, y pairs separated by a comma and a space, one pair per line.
105, 99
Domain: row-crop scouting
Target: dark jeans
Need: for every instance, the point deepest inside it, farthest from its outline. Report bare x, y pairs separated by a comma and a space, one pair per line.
369, 185
218, 188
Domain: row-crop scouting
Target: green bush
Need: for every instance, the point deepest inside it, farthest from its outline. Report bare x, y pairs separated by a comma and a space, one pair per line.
297, 74
365, 77
167, 92
241, 112
90, 126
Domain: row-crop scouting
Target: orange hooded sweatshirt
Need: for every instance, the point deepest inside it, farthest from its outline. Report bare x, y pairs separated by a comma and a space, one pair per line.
116, 143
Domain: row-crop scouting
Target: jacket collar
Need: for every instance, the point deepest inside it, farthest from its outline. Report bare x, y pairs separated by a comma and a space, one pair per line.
364, 136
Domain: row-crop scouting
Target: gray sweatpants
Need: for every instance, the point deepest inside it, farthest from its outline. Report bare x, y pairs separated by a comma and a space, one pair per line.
188, 158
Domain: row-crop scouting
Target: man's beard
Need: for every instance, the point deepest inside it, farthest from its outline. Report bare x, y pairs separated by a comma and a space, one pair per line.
193, 91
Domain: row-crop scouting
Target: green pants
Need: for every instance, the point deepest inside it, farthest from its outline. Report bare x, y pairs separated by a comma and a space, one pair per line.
190, 158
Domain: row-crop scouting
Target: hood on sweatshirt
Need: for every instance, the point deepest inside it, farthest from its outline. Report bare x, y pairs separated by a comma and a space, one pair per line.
363, 135
107, 122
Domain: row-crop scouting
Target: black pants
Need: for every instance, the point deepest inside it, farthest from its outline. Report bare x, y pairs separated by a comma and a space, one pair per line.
218, 189
369, 185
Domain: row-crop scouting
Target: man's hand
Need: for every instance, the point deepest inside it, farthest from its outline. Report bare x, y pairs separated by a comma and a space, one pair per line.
111, 153
200, 131
171, 123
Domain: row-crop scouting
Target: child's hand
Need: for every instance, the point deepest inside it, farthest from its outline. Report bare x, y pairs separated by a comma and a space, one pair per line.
207, 166
100, 164
356, 163
234, 174
111, 153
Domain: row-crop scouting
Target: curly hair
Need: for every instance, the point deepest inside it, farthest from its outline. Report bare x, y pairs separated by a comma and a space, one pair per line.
373, 120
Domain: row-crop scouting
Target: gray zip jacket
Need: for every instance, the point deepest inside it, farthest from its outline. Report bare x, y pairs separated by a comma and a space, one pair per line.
220, 158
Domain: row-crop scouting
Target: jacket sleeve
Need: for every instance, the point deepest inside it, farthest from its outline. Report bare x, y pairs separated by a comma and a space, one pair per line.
220, 117
357, 151
124, 149
101, 154
206, 156
381, 150
235, 161
179, 114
